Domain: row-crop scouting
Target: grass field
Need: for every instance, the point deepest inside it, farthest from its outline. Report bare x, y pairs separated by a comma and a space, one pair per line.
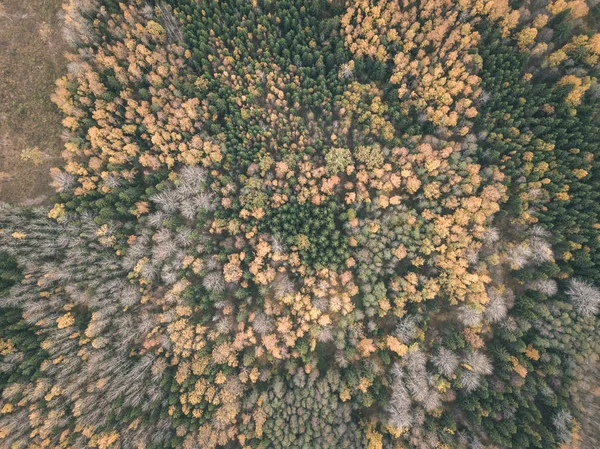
31, 59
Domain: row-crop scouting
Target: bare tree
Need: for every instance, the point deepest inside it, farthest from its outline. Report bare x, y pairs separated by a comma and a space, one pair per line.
262, 324
497, 307
214, 282
584, 296
479, 362
545, 286
407, 329
562, 422
469, 316
400, 406
446, 361
170, 22
470, 380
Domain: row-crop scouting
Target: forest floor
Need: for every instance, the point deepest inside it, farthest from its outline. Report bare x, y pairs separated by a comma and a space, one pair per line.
31, 59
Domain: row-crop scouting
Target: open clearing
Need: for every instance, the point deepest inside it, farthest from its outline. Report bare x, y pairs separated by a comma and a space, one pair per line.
31, 59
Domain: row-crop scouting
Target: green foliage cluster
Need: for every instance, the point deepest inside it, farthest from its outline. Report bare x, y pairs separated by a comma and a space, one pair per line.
532, 118
21, 335
315, 230
298, 36
304, 413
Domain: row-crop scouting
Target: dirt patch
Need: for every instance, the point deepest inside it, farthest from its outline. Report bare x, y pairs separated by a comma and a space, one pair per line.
31, 59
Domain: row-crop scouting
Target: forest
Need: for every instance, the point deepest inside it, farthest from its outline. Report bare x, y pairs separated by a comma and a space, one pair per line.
312, 224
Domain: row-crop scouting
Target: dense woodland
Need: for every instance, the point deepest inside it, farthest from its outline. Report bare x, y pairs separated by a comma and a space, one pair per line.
313, 224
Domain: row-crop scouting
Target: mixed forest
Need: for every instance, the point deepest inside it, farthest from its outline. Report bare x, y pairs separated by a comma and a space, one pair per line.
313, 224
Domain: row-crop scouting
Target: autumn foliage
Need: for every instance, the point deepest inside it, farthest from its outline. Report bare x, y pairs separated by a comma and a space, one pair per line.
302, 224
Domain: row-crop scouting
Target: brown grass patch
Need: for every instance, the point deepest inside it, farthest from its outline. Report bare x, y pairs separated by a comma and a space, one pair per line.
31, 59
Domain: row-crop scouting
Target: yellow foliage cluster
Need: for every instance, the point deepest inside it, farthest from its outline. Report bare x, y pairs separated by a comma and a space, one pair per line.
129, 128
589, 44
373, 117
433, 68
580, 86
448, 237
526, 37
577, 8
65, 320
6, 347
517, 367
